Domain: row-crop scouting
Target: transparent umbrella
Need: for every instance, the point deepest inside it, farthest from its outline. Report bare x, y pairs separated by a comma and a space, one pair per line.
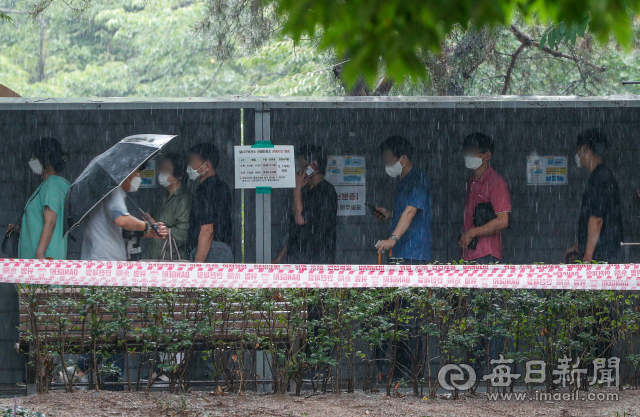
106, 172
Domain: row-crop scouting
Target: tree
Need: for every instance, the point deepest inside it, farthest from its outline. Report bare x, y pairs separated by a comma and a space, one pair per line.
395, 33
113, 47
390, 34
443, 61
509, 60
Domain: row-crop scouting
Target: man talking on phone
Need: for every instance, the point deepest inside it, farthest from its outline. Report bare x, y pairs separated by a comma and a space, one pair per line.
411, 218
312, 228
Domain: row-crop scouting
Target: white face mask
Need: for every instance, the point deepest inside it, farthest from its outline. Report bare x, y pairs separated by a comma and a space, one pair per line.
577, 157
193, 173
163, 179
472, 162
395, 169
35, 166
135, 184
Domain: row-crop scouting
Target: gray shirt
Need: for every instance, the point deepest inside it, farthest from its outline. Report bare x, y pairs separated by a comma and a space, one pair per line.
102, 238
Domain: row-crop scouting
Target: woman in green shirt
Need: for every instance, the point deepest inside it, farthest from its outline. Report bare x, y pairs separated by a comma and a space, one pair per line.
41, 227
174, 212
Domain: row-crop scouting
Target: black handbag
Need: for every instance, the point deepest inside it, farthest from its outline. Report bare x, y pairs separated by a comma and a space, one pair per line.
482, 215
10, 241
12, 237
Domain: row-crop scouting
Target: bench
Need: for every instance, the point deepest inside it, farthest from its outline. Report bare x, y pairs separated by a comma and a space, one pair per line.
64, 314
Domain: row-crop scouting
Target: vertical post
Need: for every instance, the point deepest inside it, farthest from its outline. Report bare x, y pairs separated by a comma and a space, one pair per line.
263, 195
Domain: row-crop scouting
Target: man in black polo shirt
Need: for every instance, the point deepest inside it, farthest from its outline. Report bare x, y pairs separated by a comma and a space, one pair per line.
210, 230
600, 222
312, 228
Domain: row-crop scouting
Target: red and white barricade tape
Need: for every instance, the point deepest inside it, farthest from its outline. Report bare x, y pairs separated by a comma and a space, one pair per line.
192, 275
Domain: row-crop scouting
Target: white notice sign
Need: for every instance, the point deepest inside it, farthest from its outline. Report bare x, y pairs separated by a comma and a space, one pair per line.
351, 200
547, 170
265, 167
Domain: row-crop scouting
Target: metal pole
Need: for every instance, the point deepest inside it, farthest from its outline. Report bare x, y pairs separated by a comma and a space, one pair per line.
263, 201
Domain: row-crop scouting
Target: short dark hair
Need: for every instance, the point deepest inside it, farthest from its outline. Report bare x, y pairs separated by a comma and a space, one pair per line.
49, 152
398, 146
478, 140
208, 152
314, 153
594, 139
179, 163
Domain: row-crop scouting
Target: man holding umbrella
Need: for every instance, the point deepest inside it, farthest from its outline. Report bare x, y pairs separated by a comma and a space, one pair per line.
97, 198
102, 239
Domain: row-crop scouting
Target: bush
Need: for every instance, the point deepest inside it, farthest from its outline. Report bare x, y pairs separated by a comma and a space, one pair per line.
392, 333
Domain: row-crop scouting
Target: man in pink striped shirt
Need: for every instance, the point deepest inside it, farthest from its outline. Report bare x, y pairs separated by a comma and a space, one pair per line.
482, 243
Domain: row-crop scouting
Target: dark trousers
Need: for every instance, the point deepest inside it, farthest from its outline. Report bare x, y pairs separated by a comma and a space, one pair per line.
496, 343
489, 259
407, 346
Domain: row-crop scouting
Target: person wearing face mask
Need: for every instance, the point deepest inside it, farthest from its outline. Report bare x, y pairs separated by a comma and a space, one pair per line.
175, 209
600, 223
483, 243
411, 218
41, 227
210, 228
102, 229
314, 210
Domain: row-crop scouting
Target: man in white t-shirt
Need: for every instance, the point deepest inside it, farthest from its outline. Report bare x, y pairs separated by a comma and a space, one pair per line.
102, 239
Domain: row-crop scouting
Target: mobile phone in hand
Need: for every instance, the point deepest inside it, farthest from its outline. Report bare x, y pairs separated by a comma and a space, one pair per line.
375, 212
310, 171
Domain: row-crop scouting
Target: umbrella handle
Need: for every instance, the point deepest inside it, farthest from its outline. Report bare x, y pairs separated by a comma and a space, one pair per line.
151, 225
144, 216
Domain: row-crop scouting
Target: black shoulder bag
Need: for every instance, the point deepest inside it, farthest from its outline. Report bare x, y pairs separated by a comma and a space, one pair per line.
12, 237
482, 215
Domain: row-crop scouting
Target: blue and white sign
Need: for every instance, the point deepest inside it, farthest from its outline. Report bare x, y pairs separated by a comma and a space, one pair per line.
547, 170
346, 170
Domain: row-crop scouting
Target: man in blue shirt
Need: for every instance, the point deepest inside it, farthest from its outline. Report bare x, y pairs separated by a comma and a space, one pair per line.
411, 218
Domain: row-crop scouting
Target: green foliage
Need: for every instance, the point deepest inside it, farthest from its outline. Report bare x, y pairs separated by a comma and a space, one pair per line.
563, 33
218, 47
394, 33
5, 18
325, 333
147, 49
19, 411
